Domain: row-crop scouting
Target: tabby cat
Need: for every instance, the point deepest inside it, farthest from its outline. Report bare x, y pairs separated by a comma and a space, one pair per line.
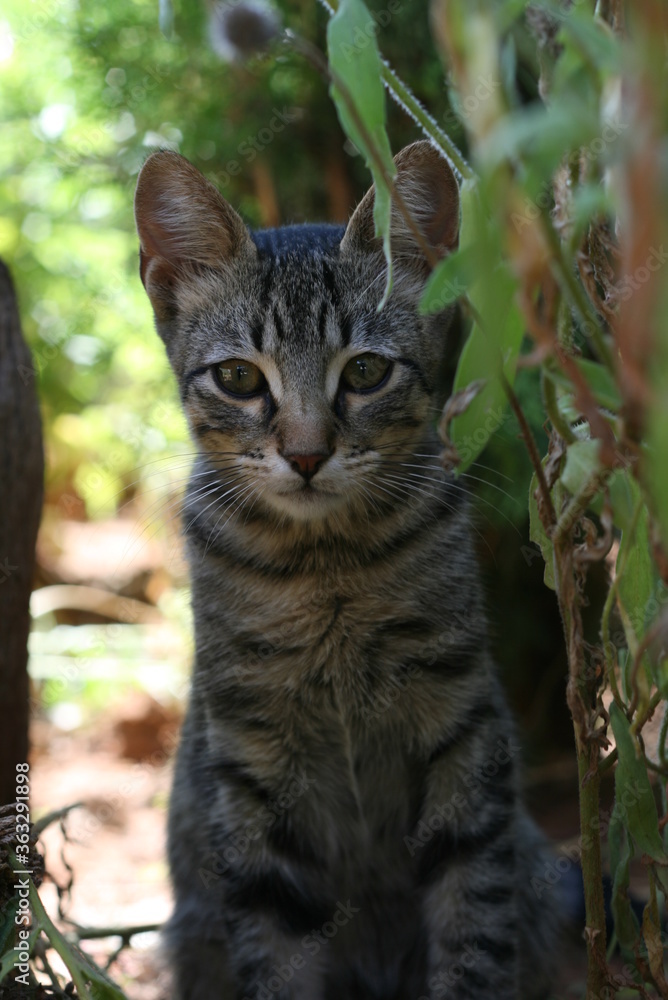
345, 820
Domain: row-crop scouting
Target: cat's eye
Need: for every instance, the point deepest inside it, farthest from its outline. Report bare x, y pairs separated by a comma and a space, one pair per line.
366, 371
241, 378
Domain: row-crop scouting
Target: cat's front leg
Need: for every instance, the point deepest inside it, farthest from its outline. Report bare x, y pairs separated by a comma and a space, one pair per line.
464, 848
252, 958
472, 942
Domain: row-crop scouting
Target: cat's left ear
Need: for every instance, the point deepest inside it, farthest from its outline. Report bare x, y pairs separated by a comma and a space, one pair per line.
430, 192
183, 224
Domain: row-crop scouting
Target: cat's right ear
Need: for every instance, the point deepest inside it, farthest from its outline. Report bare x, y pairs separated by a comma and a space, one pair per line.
184, 223
430, 193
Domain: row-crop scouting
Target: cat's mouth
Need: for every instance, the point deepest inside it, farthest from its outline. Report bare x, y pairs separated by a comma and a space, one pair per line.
308, 493
310, 501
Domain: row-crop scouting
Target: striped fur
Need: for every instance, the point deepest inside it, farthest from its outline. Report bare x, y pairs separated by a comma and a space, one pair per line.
345, 820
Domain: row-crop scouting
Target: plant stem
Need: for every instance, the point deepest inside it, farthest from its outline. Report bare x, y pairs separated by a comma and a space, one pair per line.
316, 58
561, 426
578, 506
578, 298
592, 877
531, 447
588, 772
408, 102
93, 933
58, 942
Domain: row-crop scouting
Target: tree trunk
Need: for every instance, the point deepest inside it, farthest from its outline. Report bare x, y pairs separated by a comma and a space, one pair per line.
21, 486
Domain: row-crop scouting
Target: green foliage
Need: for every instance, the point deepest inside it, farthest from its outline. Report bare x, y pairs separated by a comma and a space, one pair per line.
553, 181
90, 981
358, 93
491, 351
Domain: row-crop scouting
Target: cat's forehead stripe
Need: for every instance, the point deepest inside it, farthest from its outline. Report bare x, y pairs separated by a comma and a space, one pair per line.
299, 303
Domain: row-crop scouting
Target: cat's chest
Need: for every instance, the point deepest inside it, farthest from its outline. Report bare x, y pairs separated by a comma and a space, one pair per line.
326, 638
309, 679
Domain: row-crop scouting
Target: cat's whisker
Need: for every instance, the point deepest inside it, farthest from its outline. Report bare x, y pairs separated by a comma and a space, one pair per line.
237, 503
391, 490
132, 551
151, 489
258, 494
476, 498
149, 514
414, 489
444, 502
467, 475
352, 310
369, 497
475, 465
218, 498
492, 486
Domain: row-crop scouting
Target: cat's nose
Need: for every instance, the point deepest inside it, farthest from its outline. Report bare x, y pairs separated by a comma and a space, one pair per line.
307, 465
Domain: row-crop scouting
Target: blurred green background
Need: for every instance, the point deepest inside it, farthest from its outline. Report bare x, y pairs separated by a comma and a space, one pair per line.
89, 89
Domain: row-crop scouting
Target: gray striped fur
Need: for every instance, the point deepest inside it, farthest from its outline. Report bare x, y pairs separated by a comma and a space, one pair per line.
345, 820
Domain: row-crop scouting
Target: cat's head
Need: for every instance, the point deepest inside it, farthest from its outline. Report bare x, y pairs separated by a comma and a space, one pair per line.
293, 382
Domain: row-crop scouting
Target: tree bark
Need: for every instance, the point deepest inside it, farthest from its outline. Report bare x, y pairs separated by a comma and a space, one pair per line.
21, 490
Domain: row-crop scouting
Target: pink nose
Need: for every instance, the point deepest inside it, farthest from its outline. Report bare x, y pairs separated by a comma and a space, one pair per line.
306, 465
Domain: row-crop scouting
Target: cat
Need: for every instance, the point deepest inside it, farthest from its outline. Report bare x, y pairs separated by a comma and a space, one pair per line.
345, 819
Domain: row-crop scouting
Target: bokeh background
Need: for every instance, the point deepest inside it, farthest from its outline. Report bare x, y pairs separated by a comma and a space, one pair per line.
88, 90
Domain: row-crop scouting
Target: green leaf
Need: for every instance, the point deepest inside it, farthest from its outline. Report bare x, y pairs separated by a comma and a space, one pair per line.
448, 281
542, 135
589, 201
637, 578
538, 534
7, 937
623, 498
355, 61
81, 967
655, 466
651, 929
627, 927
593, 39
479, 361
599, 380
582, 464
8, 926
633, 793
494, 344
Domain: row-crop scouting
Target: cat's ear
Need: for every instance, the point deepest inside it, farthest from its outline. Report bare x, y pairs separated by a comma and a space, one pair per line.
183, 222
429, 190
